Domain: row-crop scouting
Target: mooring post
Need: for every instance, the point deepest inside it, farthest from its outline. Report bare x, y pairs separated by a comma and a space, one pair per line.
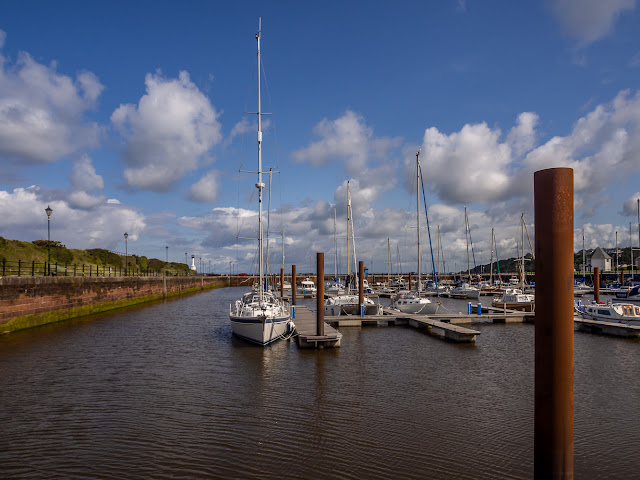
553, 424
320, 294
361, 287
293, 284
596, 284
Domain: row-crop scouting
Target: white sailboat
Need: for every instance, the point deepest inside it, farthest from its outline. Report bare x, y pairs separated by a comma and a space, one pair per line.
260, 316
409, 301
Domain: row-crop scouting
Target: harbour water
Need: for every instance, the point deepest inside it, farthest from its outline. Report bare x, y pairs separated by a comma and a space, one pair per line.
164, 391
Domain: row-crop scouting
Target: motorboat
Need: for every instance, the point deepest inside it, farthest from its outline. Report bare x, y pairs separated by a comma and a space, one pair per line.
307, 287
350, 305
611, 312
286, 286
630, 294
411, 302
464, 290
260, 316
515, 299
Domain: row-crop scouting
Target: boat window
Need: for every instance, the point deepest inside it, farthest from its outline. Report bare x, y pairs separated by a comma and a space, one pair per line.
604, 312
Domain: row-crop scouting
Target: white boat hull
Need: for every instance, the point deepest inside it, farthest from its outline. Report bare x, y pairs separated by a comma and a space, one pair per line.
255, 330
418, 308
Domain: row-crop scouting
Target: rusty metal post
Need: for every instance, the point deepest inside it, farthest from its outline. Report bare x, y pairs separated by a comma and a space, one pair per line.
282, 282
320, 294
293, 285
596, 284
409, 281
361, 286
553, 424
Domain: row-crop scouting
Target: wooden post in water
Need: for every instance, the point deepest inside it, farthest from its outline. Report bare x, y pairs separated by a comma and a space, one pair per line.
360, 285
282, 282
553, 424
320, 294
293, 285
596, 284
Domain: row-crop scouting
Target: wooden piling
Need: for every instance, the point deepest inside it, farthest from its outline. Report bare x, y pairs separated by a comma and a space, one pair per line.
596, 284
293, 285
320, 294
553, 424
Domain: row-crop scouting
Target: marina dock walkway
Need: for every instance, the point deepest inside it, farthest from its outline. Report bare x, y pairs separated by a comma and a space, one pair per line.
306, 326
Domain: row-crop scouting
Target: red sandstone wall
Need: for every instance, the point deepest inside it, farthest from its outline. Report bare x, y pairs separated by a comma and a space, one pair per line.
21, 296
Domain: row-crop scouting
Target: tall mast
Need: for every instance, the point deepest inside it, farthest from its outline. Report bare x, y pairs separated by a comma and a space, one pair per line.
260, 185
388, 262
491, 263
616, 255
522, 264
335, 246
418, 217
438, 251
584, 260
348, 230
466, 226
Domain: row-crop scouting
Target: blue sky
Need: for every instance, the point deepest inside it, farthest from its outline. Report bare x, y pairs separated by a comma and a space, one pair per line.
129, 116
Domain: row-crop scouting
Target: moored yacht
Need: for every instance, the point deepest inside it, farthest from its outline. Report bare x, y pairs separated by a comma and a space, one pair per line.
611, 312
259, 316
515, 299
412, 302
349, 305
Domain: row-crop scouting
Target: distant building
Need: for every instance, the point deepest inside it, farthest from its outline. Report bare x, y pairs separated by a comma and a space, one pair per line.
601, 259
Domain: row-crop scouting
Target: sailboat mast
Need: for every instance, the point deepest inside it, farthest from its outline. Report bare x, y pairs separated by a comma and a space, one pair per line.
388, 262
348, 230
260, 185
491, 268
438, 251
418, 217
466, 226
335, 246
522, 261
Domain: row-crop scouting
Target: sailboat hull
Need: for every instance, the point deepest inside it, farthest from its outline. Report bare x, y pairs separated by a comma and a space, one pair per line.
259, 331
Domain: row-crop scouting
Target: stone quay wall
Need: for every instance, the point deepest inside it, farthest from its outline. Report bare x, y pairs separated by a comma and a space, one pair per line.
27, 301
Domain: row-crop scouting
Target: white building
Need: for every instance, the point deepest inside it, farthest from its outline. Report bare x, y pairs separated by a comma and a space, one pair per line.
600, 259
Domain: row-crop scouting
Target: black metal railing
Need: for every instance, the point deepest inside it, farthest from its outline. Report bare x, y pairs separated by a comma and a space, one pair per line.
26, 268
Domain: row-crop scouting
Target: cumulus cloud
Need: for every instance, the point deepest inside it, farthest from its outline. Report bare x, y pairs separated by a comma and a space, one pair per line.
101, 227
168, 133
83, 175
630, 205
471, 165
589, 20
345, 139
42, 111
205, 190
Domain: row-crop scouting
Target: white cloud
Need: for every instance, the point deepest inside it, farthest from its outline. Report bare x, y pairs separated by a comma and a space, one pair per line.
589, 20
466, 166
84, 176
42, 111
84, 200
522, 137
205, 190
168, 133
345, 139
630, 205
100, 227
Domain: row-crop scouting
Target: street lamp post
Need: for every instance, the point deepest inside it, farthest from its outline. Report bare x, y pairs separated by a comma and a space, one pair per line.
126, 254
48, 211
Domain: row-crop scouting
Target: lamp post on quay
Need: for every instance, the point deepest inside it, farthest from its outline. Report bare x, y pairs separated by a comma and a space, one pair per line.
48, 211
126, 254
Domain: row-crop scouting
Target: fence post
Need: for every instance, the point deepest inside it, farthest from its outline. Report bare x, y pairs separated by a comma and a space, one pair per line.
83, 269
56, 269
33, 268
74, 269
19, 265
